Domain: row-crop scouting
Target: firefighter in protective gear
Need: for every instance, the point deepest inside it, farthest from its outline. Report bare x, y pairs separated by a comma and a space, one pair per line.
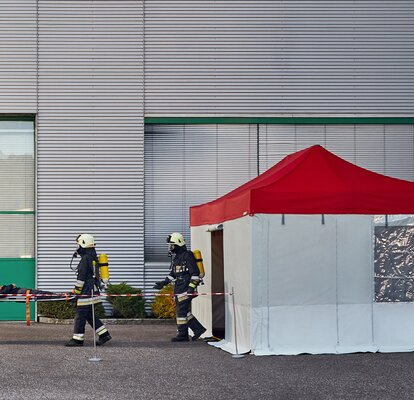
87, 286
184, 272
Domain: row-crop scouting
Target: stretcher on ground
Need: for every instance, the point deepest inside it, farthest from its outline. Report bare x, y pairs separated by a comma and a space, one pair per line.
32, 297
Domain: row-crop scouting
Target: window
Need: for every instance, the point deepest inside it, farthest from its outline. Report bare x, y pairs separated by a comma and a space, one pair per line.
17, 220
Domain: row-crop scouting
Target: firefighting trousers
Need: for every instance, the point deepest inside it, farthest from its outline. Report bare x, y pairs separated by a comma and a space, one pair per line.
83, 315
185, 319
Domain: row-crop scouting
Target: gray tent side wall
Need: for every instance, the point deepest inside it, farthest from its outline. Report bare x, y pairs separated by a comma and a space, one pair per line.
313, 284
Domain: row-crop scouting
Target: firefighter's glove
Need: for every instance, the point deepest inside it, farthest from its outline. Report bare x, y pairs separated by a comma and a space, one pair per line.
159, 285
77, 291
70, 297
191, 288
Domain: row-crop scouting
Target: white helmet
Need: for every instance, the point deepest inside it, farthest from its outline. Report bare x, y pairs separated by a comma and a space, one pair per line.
176, 239
85, 241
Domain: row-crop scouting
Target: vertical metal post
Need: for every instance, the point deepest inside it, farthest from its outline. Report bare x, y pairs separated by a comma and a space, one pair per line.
237, 355
258, 148
94, 358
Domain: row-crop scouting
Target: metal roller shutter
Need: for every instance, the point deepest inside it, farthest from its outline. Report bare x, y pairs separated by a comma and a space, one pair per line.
386, 149
186, 165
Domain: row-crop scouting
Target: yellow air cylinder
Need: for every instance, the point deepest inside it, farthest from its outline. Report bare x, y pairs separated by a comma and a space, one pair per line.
199, 261
103, 268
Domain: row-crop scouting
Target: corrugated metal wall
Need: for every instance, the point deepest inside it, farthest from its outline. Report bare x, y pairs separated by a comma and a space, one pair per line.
386, 149
18, 53
187, 165
243, 57
91, 136
202, 57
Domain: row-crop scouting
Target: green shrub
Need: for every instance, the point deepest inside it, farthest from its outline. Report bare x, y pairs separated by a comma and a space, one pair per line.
64, 309
126, 307
164, 306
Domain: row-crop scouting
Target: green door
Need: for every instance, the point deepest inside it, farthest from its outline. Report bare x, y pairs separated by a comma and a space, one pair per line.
22, 273
17, 216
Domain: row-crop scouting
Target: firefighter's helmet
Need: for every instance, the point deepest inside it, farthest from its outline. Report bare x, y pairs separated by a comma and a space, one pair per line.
85, 241
176, 239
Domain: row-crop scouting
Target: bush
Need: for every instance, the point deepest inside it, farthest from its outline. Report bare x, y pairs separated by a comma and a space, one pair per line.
164, 306
64, 309
126, 307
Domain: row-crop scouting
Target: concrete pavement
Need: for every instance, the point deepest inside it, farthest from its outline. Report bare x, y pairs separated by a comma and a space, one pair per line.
141, 363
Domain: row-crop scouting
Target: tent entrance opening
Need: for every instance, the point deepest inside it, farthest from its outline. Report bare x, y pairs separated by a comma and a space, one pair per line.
217, 284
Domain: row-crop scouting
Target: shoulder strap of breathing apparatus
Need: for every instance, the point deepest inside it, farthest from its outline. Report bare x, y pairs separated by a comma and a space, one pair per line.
100, 269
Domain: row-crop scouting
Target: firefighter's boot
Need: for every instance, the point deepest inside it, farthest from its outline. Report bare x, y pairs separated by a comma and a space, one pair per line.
74, 343
182, 334
105, 337
198, 329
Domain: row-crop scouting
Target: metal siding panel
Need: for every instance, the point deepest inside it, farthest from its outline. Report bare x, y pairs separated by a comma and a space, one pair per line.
18, 51
370, 147
90, 137
275, 143
276, 57
385, 149
187, 165
340, 139
399, 154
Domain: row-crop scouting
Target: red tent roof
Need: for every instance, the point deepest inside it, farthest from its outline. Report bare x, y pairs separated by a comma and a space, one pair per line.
311, 181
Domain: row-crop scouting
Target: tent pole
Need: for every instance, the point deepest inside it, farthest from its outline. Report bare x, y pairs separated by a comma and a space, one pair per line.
237, 355
95, 358
258, 148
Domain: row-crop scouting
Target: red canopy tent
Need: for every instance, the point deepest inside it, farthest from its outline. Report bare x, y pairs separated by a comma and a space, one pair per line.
311, 181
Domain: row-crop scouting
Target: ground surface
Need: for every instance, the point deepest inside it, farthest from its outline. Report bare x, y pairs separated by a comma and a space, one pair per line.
141, 363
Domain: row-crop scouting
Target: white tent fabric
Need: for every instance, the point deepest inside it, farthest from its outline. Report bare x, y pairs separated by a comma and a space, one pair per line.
303, 284
313, 284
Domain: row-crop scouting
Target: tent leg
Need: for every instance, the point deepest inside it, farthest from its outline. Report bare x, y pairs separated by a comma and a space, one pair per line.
237, 355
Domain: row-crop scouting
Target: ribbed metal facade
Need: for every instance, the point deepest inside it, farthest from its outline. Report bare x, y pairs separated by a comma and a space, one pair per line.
187, 165
93, 69
90, 136
386, 149
227, 57
18, 53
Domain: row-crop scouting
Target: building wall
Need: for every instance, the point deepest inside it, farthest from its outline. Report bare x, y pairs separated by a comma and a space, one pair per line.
92, 71
18, 56
263, 57
187, 165
90, 136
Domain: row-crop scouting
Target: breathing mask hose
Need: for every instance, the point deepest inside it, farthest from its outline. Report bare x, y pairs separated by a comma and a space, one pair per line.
75, 254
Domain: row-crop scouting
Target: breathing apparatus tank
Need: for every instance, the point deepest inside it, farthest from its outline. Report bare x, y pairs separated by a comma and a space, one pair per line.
199, 262
103, 269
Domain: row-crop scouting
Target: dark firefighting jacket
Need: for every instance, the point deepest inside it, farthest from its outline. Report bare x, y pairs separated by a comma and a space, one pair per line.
86, 282
184, 271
